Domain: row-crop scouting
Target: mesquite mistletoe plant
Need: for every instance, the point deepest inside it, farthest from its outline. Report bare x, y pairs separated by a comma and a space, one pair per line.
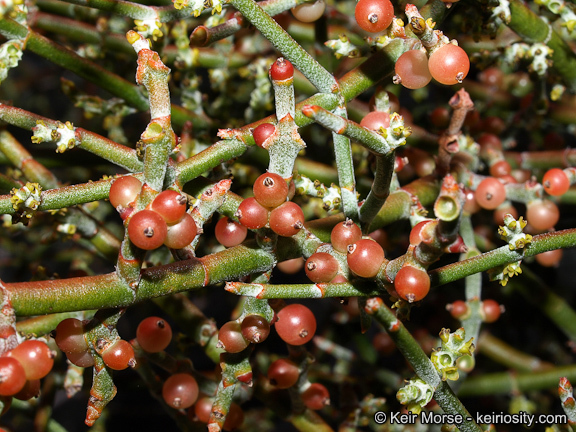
298, 215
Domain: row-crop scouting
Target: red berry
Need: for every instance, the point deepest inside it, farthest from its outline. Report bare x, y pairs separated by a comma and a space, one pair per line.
153, 334
181, 234
12, 376
542, 215
556, 182
470, 204
70, 336
412, 68
415, 237
316, 396
491, 310
287, 219
230, 337
180, 391
344, 234
170, 205
296, 324
459, 309
230, 233
262, 132
291, 266
270, 190
550, 259
376, 120
119, 355
411, 283
309, 12
365, 258
500, 169
440, 117
31, 389
449, 64
283, 373
374, 16
124, 190
255, 328
251, 214
490, 193
321, 267
281, 70
147, 230
83, 359
35, 357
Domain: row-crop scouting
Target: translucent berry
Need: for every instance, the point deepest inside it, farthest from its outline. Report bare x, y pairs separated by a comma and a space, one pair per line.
231, 338
374, 16
180, 391
459, 309
255, 328
12, 376
181, 234
491, 310
556, 182
31, 389
170, 205
283, 373
296, 324
412, 69
124, 190
35, 357
375, 120
449, 64
70, 336
365, 258
251, 214
287, 219
230, 233
411, 283
153, 334
321, 267
490, 193
316, 396
309, 12
344, 234
83, 359
270, 190
542, 214
119, 355
415, 237
281, 70
262, 132
550, 258
147, 230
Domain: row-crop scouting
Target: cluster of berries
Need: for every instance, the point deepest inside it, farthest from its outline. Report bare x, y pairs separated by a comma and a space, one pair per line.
268, 207
21, 369
70, 338
165, 221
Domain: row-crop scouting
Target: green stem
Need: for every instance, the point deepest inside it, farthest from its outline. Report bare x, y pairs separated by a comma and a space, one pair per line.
500, 351
270, 291
91, 71
380, 188
300, 58
420, 362
507, 382
118, 154
108, 290
531, 27
503, 255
